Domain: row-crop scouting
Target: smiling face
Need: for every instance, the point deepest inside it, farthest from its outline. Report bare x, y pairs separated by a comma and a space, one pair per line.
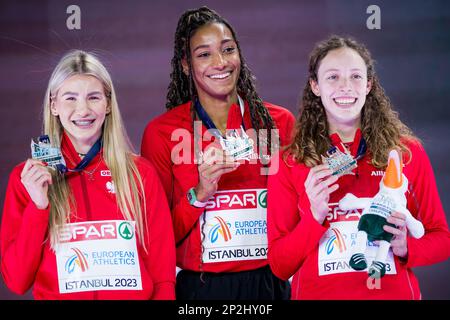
81, 105
342, 86
215, 62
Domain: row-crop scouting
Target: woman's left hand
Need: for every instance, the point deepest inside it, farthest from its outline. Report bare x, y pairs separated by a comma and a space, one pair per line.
399, 241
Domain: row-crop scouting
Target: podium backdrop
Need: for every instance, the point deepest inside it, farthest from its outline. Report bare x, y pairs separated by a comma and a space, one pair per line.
135, 41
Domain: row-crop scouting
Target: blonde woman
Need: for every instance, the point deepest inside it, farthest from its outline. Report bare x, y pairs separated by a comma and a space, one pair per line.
102, 229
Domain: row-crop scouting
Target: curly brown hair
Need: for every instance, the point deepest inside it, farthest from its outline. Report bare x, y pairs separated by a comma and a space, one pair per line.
380, 125
182, 88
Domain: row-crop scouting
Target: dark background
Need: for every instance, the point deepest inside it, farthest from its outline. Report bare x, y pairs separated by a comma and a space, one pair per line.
135, 41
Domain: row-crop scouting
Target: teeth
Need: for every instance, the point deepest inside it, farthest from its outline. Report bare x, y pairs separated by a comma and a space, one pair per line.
345, 100
83, 122
220, 76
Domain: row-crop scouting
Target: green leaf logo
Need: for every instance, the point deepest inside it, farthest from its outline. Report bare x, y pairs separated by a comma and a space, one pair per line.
262, 199
126, 230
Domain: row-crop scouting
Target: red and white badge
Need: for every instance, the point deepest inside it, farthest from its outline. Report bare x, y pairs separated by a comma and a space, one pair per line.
234, 227
98, 255
335, 246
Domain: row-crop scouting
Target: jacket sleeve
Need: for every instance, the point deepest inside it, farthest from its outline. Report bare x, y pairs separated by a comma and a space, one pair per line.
160, 260
424, 203
23, 232
155, 149
293, 232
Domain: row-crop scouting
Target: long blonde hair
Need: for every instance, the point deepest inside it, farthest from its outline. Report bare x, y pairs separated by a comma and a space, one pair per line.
380, 124
117, 149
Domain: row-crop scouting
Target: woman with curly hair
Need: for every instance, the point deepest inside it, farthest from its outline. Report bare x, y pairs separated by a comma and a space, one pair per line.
344, 110
217, 190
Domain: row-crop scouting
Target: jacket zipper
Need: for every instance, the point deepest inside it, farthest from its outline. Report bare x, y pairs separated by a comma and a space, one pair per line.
87, 208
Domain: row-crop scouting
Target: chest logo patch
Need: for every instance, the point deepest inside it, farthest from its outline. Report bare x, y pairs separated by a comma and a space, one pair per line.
110, 187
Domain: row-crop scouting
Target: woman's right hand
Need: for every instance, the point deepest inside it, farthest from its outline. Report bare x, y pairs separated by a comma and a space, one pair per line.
35, 177
318, 186
215, 163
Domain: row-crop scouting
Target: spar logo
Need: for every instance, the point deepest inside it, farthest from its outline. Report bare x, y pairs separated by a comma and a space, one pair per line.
88, 231
335, 214
262, 199
222, 228
233, 200
335, 241
78, 261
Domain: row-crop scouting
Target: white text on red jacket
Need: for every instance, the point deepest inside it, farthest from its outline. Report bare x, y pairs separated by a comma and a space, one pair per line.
88, 231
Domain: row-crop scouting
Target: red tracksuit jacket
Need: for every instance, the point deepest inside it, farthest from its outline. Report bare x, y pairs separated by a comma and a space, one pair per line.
179, 178
311, 252
27, 259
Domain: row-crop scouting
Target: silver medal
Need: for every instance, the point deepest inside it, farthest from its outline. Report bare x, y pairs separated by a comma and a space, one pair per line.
240, 147
341, 163
42, 150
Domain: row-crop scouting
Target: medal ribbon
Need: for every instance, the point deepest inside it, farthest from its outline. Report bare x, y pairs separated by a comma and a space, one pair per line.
95, 149
362, 148
209, 124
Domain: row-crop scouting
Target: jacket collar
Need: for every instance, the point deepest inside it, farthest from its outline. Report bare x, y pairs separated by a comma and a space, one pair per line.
71, 155
352, 146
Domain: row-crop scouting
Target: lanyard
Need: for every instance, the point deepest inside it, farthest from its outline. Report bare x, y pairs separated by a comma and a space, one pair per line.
362, 148
209, 124
95, 149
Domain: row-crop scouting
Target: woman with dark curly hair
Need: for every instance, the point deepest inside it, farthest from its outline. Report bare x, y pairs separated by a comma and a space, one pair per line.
217, 190
345, 112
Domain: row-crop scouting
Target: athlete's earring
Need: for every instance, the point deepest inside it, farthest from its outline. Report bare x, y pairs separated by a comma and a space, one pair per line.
369, 87
185, 66
314, 87
52, 107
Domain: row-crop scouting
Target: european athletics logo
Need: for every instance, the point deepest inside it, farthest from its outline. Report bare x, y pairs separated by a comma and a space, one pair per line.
223, 228
335, 240
78, 259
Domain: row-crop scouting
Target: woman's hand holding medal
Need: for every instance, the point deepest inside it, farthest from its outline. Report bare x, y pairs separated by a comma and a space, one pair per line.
320, 181
215, 163
36, 178
318, 187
